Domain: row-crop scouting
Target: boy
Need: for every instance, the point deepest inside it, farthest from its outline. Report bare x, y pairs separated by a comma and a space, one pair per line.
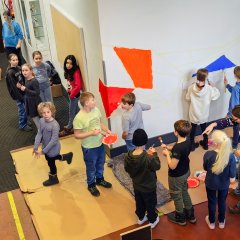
200, 96
88, 127
142, 167
234, 101
48, 135
132, 117
178, 172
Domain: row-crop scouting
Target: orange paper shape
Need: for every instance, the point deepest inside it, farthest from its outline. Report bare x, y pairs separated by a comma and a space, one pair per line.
192, 182
110, 139
138, 64
111, 97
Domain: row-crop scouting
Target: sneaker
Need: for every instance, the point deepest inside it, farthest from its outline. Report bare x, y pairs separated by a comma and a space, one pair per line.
67, 157
27, 129
94, 191
234, 210
140, 222
66, 132
221, 224
104, 183
210, 225
178, 218
153, 225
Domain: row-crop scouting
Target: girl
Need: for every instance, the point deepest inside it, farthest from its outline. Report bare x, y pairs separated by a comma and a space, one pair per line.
48, 135
13, 76
31, 89
221, 169
42, 73
75, 86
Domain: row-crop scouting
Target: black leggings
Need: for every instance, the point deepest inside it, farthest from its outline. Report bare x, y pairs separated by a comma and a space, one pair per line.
51, 163
194, 128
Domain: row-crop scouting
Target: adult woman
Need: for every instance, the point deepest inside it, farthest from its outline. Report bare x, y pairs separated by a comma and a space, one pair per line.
12, 36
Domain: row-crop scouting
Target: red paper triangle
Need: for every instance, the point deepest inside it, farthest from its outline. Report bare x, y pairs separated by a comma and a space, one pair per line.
111, 97
138, 64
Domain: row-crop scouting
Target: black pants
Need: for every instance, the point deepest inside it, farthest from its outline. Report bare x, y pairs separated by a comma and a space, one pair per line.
51, 163
146, 201
193, 132
16, 51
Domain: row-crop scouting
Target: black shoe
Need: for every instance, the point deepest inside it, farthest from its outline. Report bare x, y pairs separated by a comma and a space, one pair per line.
190, 215
94, 191
53, 179
104, 183
27, 129
67, 157
204, 145
194, 145
178, 218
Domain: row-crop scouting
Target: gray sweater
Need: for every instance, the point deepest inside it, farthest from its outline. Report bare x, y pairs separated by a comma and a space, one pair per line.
48, 136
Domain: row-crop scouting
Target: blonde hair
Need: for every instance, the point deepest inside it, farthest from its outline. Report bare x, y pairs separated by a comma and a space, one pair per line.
84, 97
49, 105
224, 147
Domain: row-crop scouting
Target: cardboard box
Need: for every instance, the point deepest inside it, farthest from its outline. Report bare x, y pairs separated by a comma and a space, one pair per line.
56, 90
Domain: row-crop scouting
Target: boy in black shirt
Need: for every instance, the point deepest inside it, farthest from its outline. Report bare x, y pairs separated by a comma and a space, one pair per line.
178, 163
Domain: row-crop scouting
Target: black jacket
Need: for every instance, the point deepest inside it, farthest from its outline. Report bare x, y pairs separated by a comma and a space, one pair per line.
142, 169
13, 76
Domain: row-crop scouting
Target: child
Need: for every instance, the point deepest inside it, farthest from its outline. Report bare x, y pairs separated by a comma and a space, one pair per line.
13, 76
48, 135
234, 100
200, 96
42, 73
132, 117
142, 169
89, 128
178, 172
220, 165
32, 91
75, 87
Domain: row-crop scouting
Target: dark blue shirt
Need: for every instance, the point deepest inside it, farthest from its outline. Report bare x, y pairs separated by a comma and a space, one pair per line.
222, 180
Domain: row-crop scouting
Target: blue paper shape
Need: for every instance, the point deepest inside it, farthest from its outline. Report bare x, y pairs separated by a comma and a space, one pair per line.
221, 63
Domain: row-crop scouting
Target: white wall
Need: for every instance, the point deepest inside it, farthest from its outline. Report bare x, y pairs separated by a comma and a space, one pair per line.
84, 13
183, 36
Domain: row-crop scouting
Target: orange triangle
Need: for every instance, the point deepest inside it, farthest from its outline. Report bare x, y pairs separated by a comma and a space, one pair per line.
138, 64
111, 97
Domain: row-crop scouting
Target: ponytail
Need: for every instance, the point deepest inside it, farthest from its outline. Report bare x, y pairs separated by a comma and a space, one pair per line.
224, 149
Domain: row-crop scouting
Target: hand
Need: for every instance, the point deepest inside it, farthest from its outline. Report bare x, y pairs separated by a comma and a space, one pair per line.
124, 135
209, 129
165, 152
95, 132
23, 88
18, 85
151, 150
164, 146
18, 46
225, 80
109, 132
36, 154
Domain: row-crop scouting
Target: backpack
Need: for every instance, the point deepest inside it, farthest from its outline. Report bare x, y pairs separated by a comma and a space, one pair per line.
54, 76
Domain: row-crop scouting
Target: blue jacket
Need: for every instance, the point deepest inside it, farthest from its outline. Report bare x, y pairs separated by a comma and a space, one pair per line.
235, 97
11, 38
222, 180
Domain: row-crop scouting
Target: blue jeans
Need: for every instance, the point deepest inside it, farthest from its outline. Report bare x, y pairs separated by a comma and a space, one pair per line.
73, 110
46, 95
94, 159
130, 145
214, 197
22, 116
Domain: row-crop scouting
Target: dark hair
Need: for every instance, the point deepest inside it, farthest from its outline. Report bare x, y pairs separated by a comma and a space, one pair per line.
202, 74
183, 127
68, 73
129, 98
236, 72
236, 111
36, 53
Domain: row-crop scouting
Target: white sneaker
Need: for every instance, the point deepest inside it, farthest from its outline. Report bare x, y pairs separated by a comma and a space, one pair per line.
153, 225
140, 222
222, 224
210, 225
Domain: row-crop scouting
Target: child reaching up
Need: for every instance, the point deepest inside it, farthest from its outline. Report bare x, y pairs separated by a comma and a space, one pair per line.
178, 173
200, 96
32, 91
234, 101
220, 165
48, 135
132, 117
142, 169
